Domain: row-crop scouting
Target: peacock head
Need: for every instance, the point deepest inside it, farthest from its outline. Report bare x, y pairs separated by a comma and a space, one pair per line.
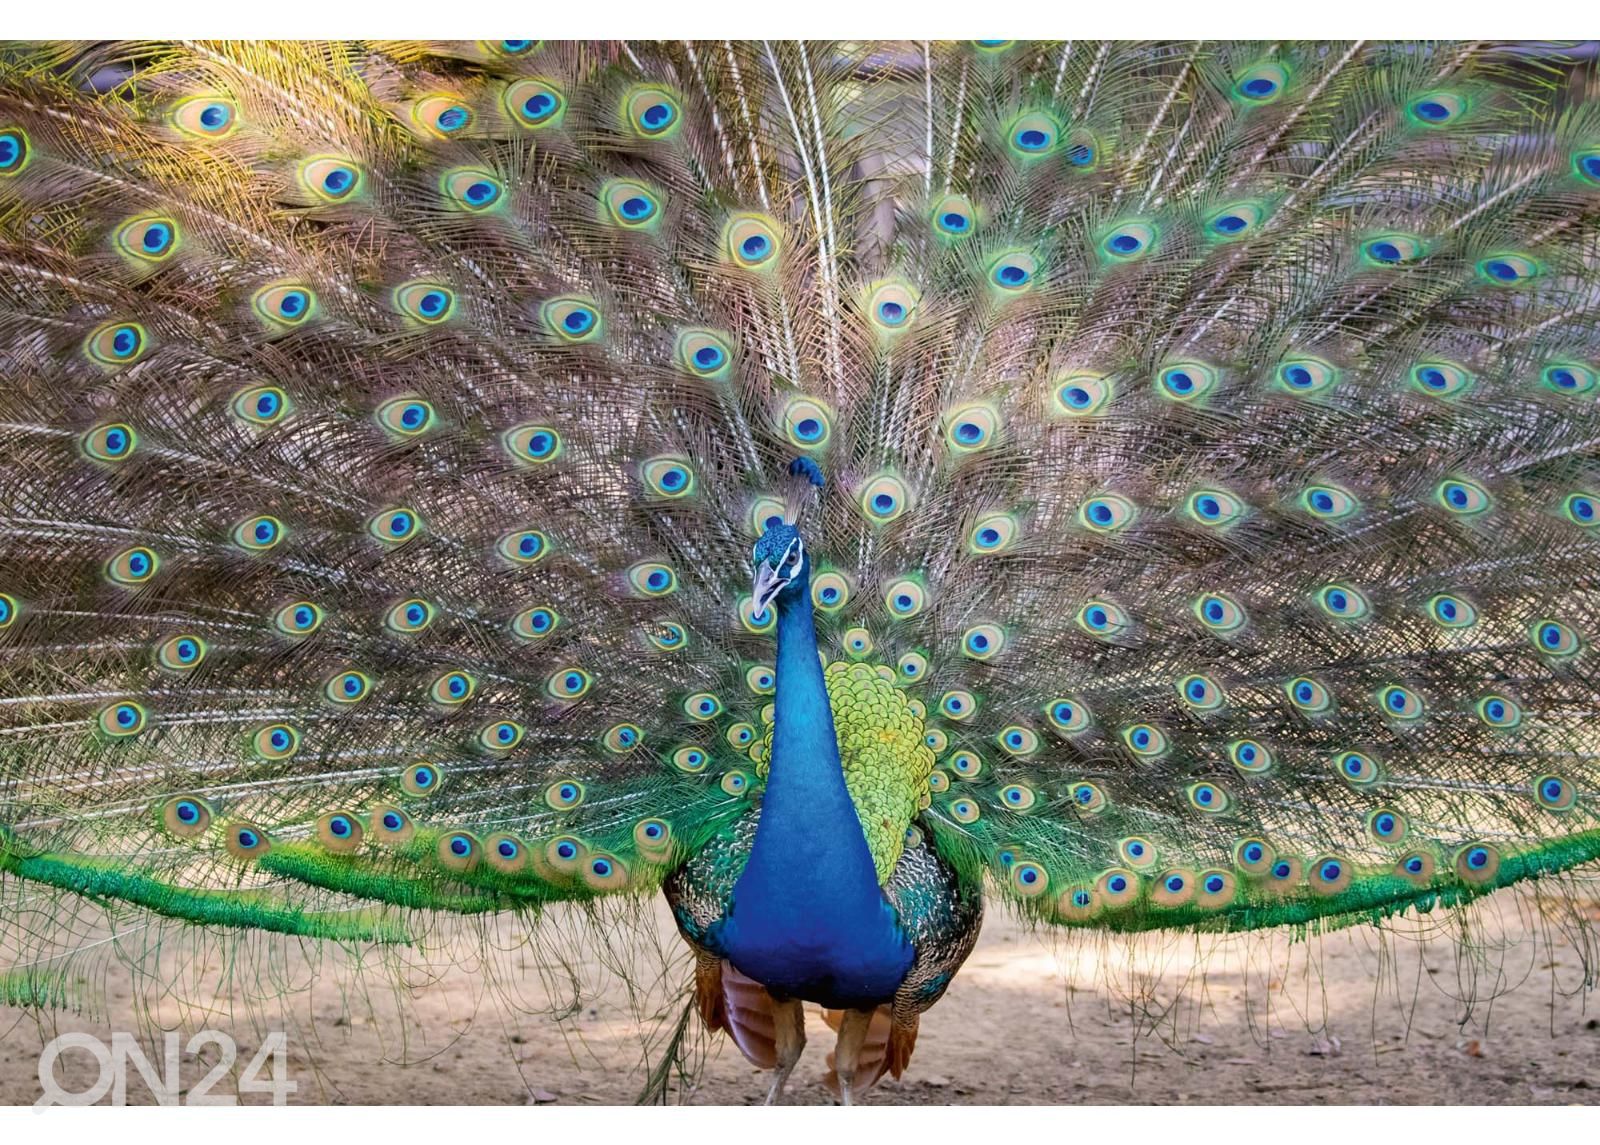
782, 568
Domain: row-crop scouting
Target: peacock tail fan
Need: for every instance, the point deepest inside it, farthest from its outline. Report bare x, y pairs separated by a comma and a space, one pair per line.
1210, 436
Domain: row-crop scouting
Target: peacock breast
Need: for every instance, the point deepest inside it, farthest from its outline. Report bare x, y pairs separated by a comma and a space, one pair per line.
884, 753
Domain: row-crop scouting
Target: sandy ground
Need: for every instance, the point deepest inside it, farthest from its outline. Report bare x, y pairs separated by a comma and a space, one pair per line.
1354, 1017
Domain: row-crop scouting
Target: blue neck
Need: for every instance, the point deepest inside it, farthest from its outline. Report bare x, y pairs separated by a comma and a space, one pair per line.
808, 842
807, 918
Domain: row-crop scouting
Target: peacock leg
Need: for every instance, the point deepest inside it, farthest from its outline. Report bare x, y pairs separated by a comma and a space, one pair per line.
789, 1023
847, 1051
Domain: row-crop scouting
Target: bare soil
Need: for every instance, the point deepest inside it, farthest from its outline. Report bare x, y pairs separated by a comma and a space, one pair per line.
1359, 1016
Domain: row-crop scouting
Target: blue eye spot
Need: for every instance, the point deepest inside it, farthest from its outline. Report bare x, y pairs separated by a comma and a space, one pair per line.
1552, 789
392, 821
954, 221
1550, 636
1229, 224
188, 812
1330, 872
1259, 88
124, 342
808, 429
1414, 864
1141, 738
1298, 376
1504, 271
1214, 610
1012, 275
600, 867
337, 181
303, 617
1384, 251
657, 115
1205, 796
1180, 381
1032, 139
1432, 111
247, 839
1080, 155
1136, 850
482, 192
708, 357
460, 847
1118, 884
280, 739
433, 303
1097, 617
339, 825
883, 502
637, 208
1124, 244
528, 545
755, 246
505, 733
1282, 871
566, 850
215, 115
1477, 858
1214, 884
423, 777
830, 594
539, 105
452, 119
1322, 502
1028, 875
1174, 883
1253, 853
657, 579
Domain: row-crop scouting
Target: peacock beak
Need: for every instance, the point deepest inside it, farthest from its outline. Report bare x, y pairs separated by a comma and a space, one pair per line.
769, 583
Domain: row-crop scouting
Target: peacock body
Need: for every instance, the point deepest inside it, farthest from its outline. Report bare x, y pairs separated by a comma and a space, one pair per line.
1146, 485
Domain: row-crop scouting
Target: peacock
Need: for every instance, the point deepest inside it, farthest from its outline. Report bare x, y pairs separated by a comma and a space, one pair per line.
834, 486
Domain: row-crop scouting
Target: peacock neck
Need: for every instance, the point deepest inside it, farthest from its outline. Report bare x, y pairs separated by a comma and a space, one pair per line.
809, 840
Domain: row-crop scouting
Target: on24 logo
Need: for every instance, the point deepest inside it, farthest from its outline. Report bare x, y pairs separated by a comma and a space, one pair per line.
167, 1088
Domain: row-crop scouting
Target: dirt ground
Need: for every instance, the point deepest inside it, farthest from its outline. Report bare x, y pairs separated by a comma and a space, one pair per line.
1354, 1017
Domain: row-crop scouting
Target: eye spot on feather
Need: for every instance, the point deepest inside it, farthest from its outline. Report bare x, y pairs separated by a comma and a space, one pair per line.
472, 190
1328, 503
752, 242
652, 112
117, 344
1201, 693
258, 534
1436, 108
1208, 797
148, 239
428, 303
1069, 715
1309, 696
1463, 498
534, 103
1253, 856
884, 498
1107, 513
1145, 741
1219, 613
1417, 867
1103, 620
702, 706
395, 526
186, 816
807, 423
331, 179
133, 567
1555, 793
1214, 508
704, 353
1499, 712
1250, 757
1554, 638
1081, 395
299, 618
122, 720
958, 705
261, 405
421, 779
1019, 741
1013, 272
204, 117
1356, 767
905, 599
1388, 826
1128, 242
1477, 864
1342, 602
567, 684
109, 443
564, 796
1389, 250
1582, 509
1451, 611
275, 742
459, 851
1261, 84
523, 547
1186, 381
652, 579
954, 217
177, 654
500, 736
